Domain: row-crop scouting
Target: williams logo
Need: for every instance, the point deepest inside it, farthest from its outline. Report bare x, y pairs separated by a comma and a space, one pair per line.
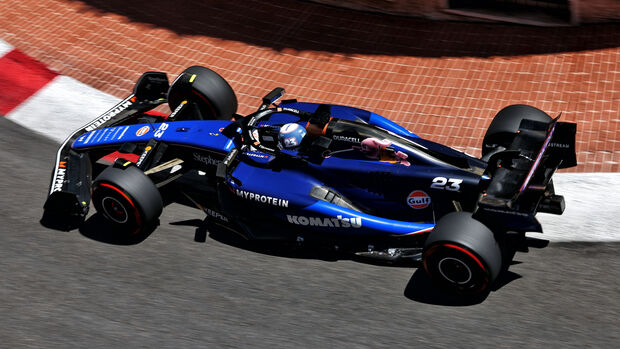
338, 222
418, 200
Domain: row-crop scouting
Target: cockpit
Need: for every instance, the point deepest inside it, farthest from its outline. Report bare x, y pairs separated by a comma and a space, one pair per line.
318, 133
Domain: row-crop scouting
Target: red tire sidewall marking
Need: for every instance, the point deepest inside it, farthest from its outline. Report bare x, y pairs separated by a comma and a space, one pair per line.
432, 250
136, 212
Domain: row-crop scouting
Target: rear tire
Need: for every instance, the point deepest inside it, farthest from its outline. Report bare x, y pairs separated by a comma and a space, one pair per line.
461, 254
206, 89
128, 199
505, 125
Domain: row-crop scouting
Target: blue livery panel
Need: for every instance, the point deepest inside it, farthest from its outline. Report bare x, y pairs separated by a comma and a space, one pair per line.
200, 134
285, 195
328, 217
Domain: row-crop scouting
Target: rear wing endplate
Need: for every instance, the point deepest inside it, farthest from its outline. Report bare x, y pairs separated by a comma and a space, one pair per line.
521, 182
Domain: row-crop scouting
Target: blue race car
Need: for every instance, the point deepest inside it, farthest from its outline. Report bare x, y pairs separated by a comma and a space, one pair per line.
304, 172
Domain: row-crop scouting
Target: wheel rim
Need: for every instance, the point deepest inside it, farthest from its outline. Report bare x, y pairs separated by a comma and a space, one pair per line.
117, 207
114, 210
454, 270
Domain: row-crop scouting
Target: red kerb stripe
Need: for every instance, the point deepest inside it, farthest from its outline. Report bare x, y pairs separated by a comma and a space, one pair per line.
20, 77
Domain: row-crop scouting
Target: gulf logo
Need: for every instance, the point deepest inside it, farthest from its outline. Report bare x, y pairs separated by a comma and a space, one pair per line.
418, 199
143, 130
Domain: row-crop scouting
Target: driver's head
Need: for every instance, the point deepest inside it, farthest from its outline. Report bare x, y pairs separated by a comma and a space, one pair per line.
291, 135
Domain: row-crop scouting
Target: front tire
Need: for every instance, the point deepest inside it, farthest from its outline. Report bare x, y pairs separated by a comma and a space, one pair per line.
128, 199
206, 89
461, 254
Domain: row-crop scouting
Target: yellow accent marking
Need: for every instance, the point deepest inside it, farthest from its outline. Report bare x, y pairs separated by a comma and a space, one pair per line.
127, 163
192, 78
184, 102
84, 203
147, 148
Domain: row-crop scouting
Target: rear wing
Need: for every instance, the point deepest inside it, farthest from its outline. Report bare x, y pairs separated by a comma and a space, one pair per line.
69, 192
521, 184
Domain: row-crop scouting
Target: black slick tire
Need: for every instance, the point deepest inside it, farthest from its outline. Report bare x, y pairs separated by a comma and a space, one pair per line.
205, 88
462, 255
128, 199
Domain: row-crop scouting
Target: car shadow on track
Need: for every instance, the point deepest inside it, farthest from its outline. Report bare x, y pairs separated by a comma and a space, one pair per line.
267, 247
307, 250
97, 228
421, 289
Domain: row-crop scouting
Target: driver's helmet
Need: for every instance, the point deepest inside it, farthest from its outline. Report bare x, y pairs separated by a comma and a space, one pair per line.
291, 135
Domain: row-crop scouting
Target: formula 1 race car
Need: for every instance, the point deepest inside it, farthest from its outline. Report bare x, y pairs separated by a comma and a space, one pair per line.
304, 172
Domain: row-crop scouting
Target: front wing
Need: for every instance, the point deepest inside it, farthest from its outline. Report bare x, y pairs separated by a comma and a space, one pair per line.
69, 192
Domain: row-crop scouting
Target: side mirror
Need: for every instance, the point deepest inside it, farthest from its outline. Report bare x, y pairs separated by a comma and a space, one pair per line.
271, 97
152, 86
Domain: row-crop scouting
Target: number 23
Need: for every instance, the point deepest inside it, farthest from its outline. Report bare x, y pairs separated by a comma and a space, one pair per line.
443, 183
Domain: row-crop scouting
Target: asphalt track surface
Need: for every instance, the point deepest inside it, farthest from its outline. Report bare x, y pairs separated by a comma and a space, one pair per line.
75, 289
